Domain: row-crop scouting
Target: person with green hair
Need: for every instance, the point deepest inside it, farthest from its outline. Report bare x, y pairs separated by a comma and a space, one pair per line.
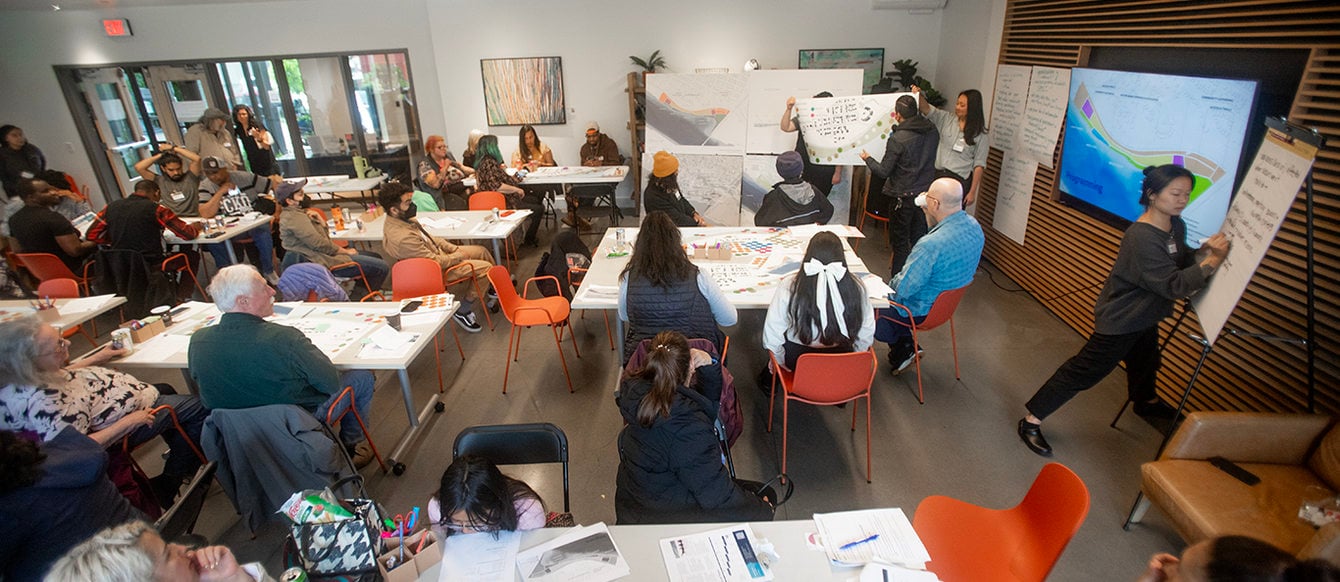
492, 176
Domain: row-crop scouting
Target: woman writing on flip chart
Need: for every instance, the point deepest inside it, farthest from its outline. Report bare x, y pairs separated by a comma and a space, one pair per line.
1154, 268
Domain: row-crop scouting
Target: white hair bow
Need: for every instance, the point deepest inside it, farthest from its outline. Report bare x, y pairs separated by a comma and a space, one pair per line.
829, 275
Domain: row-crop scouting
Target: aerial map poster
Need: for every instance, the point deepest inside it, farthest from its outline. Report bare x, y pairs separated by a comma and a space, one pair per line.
697, 114
837, 128
1119, 122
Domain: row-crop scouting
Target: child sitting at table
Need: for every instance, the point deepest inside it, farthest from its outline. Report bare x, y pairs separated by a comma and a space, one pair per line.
474, 496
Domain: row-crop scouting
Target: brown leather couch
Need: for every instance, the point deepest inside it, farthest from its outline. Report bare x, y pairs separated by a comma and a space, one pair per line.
1295, 455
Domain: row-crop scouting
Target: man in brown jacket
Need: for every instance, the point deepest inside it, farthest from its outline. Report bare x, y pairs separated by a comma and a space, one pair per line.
306, 240
404, 238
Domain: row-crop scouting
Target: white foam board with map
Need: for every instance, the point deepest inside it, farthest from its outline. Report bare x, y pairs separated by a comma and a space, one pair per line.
697, 114
837, 129
769, 90
710, 183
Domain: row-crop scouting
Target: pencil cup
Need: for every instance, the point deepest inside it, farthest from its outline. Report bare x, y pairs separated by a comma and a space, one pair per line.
417, 560
49, 315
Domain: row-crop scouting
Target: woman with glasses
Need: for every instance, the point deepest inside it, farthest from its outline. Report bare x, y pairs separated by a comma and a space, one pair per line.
42, 392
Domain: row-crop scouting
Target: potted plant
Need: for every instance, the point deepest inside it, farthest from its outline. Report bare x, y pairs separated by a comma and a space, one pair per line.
650, 64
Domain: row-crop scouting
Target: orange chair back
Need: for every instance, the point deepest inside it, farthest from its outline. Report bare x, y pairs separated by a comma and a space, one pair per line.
944, 307
508, 298
488, 200
416, 277
46, 266
59, 289
967, 542
833, 378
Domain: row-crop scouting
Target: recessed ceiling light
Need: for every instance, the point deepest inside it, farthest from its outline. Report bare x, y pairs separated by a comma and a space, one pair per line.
55, 7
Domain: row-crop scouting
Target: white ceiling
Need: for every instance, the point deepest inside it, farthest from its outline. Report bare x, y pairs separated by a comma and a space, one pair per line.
105, 4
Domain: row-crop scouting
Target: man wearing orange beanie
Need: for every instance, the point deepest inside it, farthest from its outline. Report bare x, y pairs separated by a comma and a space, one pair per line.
663, 192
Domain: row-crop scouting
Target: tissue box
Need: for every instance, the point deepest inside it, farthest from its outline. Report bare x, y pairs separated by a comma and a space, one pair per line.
711, 253
415, 564
49, 315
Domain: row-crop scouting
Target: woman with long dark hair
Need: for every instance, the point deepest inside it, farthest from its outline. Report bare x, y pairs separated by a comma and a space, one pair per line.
490, 175
964, 142
19, 159
823, 308
530, 152
670, 468
442, 176
1154, 269
473, 496
660, 289
1236, 559
256, 141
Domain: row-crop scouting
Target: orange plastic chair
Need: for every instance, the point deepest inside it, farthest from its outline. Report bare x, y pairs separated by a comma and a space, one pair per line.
574, 281
170, 266
825, 379
942, 310
64, 289
338, 242
488, 200
523, 313
331, 421
468, 277
46, 266
420, 277
968, 542
373, 294
860, 225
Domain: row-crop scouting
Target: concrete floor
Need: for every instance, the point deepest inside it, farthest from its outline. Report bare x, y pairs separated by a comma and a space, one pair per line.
960, 443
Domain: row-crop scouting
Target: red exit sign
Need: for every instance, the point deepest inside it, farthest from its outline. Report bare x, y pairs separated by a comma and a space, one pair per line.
116, 26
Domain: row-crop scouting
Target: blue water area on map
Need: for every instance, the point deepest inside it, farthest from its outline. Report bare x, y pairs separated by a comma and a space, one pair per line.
1094, 173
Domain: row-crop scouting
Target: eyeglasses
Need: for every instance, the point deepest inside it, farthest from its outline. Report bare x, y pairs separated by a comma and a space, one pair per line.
62, 346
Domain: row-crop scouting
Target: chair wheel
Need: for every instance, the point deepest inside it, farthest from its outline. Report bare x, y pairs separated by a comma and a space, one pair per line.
398, 469
439, 407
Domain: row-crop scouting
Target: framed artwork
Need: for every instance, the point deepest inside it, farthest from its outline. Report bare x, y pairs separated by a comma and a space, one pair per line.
524, 91
870, 60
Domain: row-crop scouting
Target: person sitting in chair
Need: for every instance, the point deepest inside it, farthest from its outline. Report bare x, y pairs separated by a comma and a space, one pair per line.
474, 496
304, 236
134, 552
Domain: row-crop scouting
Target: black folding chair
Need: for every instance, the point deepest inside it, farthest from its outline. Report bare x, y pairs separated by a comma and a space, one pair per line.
517, 444
179, 520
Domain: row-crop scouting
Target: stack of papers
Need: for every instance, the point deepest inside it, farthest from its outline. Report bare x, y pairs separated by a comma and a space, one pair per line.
586, 553
480, 557
441, 222
855, 538
84, 304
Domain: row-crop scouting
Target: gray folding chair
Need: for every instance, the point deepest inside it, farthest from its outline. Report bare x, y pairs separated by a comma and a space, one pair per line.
517, 444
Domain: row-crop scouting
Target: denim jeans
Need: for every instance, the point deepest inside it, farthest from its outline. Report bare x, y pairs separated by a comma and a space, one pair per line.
264, 243
363, 382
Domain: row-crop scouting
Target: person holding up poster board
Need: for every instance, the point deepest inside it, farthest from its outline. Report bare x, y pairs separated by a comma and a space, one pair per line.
823, 177
908, 168
1154, 268
964, 143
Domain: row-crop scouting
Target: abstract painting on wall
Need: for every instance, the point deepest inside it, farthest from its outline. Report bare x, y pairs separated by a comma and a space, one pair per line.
524, 91
870, 60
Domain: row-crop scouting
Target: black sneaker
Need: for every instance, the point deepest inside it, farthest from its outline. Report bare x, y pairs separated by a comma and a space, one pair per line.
466, 319
491, 300
1156, 409
900, 366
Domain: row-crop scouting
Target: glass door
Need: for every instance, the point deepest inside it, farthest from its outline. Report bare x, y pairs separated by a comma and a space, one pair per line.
179, 95
116, 120
254, 83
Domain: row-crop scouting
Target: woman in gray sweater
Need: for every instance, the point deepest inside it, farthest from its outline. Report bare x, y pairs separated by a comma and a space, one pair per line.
1154, 269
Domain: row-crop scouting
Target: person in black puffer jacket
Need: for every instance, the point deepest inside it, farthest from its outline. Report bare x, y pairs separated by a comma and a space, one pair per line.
670, 468
908, 167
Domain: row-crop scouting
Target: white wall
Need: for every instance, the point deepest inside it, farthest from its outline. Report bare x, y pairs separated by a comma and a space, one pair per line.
595, 38
30, 97
969, 49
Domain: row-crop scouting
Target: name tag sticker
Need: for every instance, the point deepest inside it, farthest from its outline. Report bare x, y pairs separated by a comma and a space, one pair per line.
960, 145
178, 196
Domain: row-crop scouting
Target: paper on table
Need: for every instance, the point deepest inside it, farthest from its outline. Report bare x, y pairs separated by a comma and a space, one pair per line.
601, 291
586, 553
725, 554
492, 228
159, 348
807, 231
441, 222
83, 304
875, 287
480, 558
889, 573
897, 543
516, 215
373, 351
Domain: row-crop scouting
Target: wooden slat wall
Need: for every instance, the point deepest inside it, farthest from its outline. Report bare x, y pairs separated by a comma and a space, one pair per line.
1068, 255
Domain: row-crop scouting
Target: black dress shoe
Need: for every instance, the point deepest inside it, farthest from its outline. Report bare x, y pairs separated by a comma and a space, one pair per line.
1157, 409
1031, 434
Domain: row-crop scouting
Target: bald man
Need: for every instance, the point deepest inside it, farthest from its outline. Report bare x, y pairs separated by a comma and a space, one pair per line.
946, 258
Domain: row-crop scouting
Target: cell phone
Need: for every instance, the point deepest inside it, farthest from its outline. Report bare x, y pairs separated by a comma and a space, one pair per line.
214, 235
411, 306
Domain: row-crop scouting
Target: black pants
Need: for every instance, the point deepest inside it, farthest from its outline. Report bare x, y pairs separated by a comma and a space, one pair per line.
1097, 359
534, 202
907, 224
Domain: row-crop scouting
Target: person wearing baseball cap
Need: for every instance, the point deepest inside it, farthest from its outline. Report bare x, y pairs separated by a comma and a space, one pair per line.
597, 150
663, 192
210, 136
793, 200
227, 192
306, 239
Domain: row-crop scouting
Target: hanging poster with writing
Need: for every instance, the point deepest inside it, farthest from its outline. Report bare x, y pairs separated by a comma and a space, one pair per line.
1253, 219
1048, 93
1013, 196
836, 129
1011, 99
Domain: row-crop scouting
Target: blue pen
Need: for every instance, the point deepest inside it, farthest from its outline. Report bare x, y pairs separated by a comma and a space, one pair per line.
851, 545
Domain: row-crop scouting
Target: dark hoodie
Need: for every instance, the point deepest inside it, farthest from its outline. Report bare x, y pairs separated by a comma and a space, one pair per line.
909, 159
71, 501
793, 202
671, 472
